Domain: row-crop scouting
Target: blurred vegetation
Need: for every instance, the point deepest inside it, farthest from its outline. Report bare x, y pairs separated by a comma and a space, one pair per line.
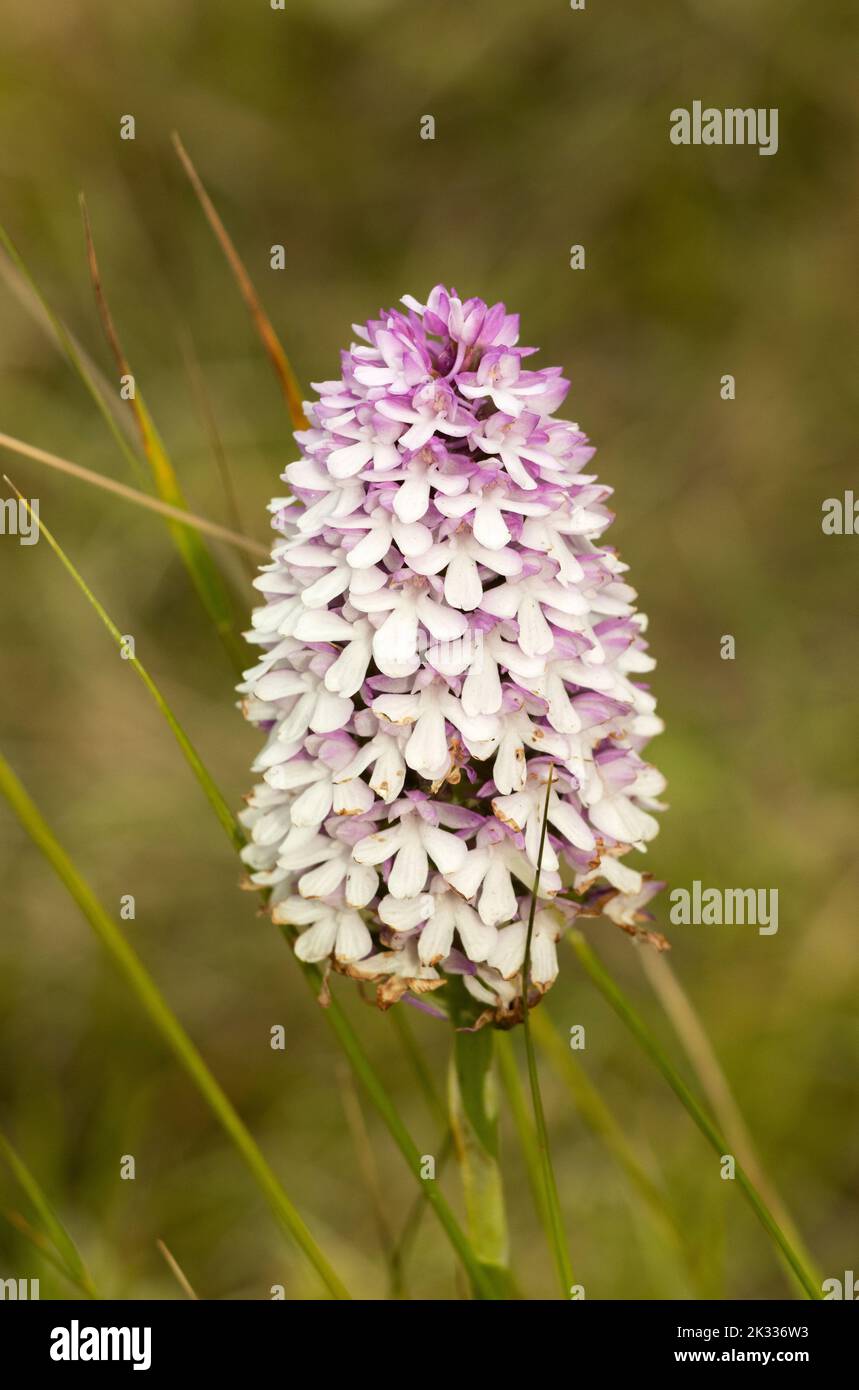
552, 129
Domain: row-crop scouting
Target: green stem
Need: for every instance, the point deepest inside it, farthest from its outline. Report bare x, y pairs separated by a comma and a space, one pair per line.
610, 991
474, 1125
555, 1222
167, 1024
69, 1259
524, 1125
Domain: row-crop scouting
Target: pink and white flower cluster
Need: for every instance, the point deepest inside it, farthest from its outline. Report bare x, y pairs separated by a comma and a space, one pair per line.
442, 629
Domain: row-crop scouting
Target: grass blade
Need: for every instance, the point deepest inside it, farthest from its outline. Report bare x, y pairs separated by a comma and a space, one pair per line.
524, 1127
149, 996
213, 795
74, 356
70, 1258
474, 1125
42, 1246
278, 358
176, 1270
204, 573
698, 1048
603, 1124
560, 1252
130, 494
618, 1001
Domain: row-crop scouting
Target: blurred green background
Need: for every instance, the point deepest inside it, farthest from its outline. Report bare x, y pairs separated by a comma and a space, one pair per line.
552, 130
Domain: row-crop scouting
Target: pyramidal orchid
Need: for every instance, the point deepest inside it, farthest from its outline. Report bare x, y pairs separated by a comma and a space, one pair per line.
443, 630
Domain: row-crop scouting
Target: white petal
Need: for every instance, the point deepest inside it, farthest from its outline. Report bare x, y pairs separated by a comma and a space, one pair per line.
330, 586
562, 714
481, 692
405, 913
317, 943
330, 712
571, 825
348, 672
296, 723
276, 685
490, 528
462, 586
502, 602
351, 798
397, 709
426, 750
361, 885
436, 939
318, 625
498, 900
620, 875
508, 771
344, 463
376, 848
445, 624
325, 879
478, 940
313, 805
389, 774
508, 954
535, 635
353, 939
447, 851
374, 546
298, 913
544, 959
412, 498
515, 810
409, 874
468, 879
411, 538
395, 643
289, 776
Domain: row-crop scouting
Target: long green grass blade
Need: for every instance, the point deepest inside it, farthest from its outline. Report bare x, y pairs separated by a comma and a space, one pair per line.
473, 1109
42, 1246
166, 1023
524, 1126
213, 795
690, 1030
603, 1124
563, 1264
613, 994
70, 1259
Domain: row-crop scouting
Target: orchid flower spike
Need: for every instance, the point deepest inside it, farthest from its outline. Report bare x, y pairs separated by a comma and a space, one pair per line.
443, 629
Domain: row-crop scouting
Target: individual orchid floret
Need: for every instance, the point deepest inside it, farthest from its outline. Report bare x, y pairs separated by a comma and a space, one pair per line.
450, 674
